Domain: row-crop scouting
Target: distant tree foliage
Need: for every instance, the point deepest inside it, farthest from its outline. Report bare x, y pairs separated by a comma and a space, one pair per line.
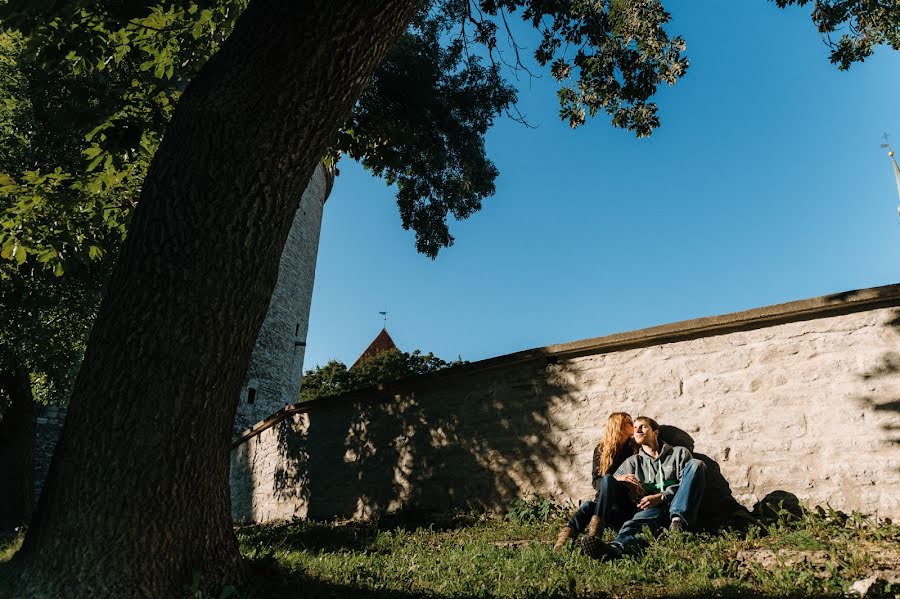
335, 378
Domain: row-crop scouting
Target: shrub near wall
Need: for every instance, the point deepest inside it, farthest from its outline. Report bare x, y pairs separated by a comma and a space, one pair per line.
800, 398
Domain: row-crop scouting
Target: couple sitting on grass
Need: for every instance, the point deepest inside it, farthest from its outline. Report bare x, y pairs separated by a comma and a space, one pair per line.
640, 481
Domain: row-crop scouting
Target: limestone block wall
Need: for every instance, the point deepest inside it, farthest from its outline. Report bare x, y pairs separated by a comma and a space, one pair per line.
48, 424
802, 398
276, 365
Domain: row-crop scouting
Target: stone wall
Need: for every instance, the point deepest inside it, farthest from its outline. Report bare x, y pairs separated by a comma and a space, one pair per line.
48, 424
276, 365
802, 398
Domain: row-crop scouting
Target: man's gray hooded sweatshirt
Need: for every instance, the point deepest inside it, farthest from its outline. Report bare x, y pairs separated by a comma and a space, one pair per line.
662, 475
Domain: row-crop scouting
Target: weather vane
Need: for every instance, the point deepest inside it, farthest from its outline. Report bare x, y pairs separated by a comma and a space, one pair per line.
385, 317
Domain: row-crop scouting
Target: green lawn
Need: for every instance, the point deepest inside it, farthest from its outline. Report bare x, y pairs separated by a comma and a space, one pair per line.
471, 555
481, 556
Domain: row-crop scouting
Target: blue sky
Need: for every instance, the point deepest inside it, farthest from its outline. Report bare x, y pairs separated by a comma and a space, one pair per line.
764, 184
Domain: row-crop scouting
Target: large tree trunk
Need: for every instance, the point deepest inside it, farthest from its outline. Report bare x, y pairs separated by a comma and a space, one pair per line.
137, 496
17, 430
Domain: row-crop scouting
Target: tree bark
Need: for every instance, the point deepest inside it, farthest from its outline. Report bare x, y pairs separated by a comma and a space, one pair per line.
137, 496
17, 431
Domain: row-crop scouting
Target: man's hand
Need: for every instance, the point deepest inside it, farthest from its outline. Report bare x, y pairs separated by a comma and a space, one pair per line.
635, 488
649, 501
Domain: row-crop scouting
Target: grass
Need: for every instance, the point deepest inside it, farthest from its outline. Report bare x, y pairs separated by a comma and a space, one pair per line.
813, 554
465, 555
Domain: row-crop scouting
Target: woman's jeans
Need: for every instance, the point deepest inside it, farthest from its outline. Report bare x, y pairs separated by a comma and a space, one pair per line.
613, 504
685, 505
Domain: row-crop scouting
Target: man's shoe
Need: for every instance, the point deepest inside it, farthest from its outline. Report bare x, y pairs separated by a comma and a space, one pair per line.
594, 548
678, 524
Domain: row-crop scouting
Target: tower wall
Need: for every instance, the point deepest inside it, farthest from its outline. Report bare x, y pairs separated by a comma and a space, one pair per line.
273, 375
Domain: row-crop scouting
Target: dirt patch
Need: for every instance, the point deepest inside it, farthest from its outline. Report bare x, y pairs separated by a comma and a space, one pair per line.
785, 558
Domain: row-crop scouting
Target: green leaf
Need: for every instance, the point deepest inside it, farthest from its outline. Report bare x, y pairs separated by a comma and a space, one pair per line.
93, 164
7, 252
46, 256
94, 150
95, 131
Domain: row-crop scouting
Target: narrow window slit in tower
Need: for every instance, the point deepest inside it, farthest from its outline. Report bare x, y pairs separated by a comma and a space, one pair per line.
251, 395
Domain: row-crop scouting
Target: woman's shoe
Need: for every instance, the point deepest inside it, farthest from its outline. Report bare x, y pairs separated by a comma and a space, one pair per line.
564, 535
594, 527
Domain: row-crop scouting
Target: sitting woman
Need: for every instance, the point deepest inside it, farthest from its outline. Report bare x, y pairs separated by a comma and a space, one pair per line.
616, 497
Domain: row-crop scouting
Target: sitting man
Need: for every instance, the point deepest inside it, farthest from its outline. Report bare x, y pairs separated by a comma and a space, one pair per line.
672, 480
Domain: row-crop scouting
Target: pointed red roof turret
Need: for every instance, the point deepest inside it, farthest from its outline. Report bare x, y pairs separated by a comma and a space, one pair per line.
380, 344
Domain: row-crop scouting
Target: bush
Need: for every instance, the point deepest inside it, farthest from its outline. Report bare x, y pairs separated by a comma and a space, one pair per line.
533, 509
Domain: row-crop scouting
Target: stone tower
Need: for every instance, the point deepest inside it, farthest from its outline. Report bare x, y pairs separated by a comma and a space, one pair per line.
273, 375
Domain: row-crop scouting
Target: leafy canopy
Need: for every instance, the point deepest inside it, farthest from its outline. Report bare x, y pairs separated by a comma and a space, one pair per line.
107, 75
863, 25
100, 83
87, 89
45, 314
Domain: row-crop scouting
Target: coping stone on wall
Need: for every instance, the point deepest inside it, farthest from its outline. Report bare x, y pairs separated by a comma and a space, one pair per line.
824, 306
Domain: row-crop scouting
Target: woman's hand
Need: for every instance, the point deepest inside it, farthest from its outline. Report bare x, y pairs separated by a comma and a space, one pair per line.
635, 488
649, 501
627, 478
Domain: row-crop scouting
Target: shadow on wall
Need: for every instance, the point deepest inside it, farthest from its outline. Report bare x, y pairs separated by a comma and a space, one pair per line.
291, 476
473, 441
884, 384
718, 506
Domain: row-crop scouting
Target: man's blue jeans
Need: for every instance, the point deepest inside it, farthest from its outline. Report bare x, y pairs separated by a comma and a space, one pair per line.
612, 504
685, 505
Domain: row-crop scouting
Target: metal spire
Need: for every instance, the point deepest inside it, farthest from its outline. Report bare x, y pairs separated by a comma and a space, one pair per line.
894, 163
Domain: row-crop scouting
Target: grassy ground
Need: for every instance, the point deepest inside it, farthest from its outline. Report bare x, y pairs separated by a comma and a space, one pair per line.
468, 555
812, 555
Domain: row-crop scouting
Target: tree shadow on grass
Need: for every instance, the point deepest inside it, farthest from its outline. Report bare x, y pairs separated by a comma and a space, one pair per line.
351, 535
310, 536
270, 580
296, 584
